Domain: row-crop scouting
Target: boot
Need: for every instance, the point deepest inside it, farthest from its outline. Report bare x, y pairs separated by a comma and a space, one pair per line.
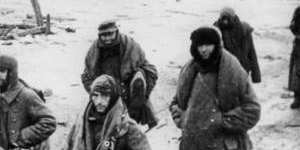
296, 103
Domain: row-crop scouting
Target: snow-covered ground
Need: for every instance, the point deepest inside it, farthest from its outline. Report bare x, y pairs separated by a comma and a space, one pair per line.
163, 28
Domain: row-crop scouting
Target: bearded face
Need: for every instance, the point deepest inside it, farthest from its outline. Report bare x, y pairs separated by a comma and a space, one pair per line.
100, 101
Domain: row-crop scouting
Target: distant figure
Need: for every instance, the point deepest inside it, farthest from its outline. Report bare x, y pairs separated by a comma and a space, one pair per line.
25, 121
238, 41
105, 124
121, 57
214, 104
294, 73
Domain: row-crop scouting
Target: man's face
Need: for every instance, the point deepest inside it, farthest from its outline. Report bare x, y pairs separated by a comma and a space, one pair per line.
3, 76
108, 37
225, 21
205, 50
101, 101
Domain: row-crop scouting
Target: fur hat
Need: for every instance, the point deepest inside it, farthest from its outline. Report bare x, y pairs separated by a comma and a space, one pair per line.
205, 35
10, 63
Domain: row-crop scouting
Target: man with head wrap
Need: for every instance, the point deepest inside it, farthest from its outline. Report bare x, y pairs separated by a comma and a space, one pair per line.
238, 41
121, 57
214, 104
106, 124
25, 121
294, 73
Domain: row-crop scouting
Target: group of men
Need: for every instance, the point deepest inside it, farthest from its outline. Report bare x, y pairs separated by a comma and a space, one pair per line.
214, 105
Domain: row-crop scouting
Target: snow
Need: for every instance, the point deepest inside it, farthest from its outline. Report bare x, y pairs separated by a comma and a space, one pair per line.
162, 27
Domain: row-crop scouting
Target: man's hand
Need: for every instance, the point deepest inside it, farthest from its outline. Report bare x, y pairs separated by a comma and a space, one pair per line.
177, 115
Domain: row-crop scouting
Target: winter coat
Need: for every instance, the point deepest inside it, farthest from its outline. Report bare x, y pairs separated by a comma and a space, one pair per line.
216, 121
294, 67
118, 130
132, 60
28, 121
238, 41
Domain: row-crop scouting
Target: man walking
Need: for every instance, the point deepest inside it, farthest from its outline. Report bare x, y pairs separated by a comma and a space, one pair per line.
294, 73
105, 124
122, 58
238, 41
25, 121
215, 104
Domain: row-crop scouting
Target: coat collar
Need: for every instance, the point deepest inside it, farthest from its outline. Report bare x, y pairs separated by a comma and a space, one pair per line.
11, 94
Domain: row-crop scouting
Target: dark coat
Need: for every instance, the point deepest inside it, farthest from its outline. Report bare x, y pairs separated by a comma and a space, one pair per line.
28, 121
117, 128
239, 42
294, 67
222, 120
132, 60
25, 121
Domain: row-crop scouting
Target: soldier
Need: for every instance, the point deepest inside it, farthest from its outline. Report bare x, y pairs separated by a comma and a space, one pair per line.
121, 57
294, 73
106, 124
238, 41
215, 104
25, 121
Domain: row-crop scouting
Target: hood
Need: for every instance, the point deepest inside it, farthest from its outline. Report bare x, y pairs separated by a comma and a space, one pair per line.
106, 84
228, 13
11, 64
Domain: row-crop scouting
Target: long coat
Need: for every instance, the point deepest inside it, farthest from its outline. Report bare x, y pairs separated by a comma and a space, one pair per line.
118, 129
294, 68
132, 60
239, 42
216, 121
25, 120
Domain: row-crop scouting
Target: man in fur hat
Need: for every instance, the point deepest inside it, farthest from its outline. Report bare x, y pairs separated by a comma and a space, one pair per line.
106, 124
238, 41
294, 74
121, 57
215, 104
25, 121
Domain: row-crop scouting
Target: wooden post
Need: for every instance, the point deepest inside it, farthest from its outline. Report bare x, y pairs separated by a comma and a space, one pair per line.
37, 12
48, 26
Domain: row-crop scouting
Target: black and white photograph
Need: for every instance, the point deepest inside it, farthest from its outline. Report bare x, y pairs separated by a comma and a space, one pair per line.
150, 75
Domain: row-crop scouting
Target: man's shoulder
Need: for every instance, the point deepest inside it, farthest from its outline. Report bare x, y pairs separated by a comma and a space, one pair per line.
232, 64
28, 94
247, 28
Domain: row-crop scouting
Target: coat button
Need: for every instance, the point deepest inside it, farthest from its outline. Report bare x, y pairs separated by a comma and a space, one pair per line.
14, 120
212, 120
13, 131
214, 110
